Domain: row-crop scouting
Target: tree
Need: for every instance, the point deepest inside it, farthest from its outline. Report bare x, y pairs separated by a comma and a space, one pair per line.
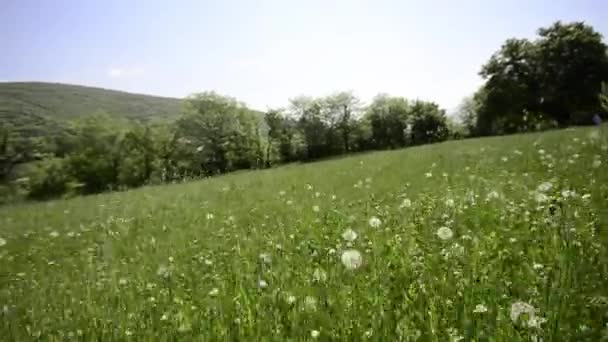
313, 125
572, 63
428, 123
603, 97
340, 111
388, 119
467, 114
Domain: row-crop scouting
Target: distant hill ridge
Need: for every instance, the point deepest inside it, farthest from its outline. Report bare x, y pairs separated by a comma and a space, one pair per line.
39, 108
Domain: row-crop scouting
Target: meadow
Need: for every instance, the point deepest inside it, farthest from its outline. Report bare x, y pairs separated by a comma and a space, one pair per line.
491, 239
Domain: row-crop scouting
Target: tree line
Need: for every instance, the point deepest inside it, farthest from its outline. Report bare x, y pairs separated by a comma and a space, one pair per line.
553, 81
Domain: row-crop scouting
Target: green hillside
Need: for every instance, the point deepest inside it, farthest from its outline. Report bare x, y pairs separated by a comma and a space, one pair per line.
35, 108
494, 239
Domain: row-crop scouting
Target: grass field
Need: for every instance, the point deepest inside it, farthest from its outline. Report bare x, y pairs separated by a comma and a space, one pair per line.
496, 239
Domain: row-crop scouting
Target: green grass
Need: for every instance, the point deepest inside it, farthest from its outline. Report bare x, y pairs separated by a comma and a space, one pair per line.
185, 262
37, 109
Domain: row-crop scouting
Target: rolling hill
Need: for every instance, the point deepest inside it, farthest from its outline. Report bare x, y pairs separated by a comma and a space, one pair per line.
35, 108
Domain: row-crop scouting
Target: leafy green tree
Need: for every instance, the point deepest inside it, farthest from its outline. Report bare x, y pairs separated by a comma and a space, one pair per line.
388, 120
428, 123
572, 63
313, 125
603, 96
49, 178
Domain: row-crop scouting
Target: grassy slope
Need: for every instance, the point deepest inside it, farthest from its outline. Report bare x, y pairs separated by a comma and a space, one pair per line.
37, 108
145, 263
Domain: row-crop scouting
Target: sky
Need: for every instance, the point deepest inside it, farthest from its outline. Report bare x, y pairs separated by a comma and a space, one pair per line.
265, 52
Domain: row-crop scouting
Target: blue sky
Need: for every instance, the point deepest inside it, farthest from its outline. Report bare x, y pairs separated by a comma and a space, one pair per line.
265, 52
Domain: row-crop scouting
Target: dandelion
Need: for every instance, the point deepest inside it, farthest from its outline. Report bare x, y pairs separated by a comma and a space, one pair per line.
262, 284
163, 271
541, 151
290, 299
586, 196
406, 203
265, 258
282, 193
209, 216
428, 175
540, 197
2, 242
54, 234
315, 334
537, 266
492, 195
315, 208
308, 187
349, 235
480, 308
445, 233
374, 222
504, 159
310, 303
368, 180
544, 187
214, 292
521, 308
352, 259
289, 202
518, 152
122, 281
319, 275
596, 163
449, 202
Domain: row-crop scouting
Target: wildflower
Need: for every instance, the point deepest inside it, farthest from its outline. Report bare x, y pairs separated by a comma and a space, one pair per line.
541, 151
540, 197
521, 308
349, 235
290, 299
406, 203
289, 202
445, 233
310, 303
544, 187
53, 234
315, 208
586, 196
449, 202
368, 180
319, 275
480, 308
163, 271
209, 216
493, 195
428, 175
568, 193
352, 259
596, 163
262, 284
537, 266
374, 222
122, 281
504, 159
282, 193
518, 152
214, 292
308, 187
265, 258
315, 334
2, 242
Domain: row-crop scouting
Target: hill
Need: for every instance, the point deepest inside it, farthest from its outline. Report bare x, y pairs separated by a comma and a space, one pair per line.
484, 239
35, 109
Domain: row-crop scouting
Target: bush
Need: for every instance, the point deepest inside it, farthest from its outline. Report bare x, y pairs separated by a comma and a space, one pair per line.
49, 179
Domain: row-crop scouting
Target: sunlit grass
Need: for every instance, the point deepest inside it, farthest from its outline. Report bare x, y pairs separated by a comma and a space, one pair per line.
497, 239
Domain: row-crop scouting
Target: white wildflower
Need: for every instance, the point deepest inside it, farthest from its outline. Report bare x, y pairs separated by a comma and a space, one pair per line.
315, 334
310, 303
122, 281
352, 259
262, 284
163, 271
445, 233
540, 197
349, 235
537, 266
449, 202
586, 196
265, 258
406, 203
428, 175
544, 187
319, 275
493, 195
214, 292
290, 299
374, 222
521, 308
315, 208
596, 163
54, 234
282, 193
504, 159
209, 216
2, 242
480, 308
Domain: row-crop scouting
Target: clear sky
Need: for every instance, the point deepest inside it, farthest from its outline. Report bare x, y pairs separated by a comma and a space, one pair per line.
265, 52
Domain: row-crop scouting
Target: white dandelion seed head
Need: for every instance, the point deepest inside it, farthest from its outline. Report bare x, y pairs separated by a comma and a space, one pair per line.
449, 202
374, 222
406, 203
289, 202
262, 284
315, 334
538, 266
445, 233
368, 180
596, 163
163, 271
122, 281
214, 292
521, 308
544, 187
351, 259
493, 195
2, 242
586, 196
282, 193
504, 159
349, 235
209, 216
265, 258
315, 208
428, 175
319, 275
540, 197
310, 303
54, 234
290, 299
480, 308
